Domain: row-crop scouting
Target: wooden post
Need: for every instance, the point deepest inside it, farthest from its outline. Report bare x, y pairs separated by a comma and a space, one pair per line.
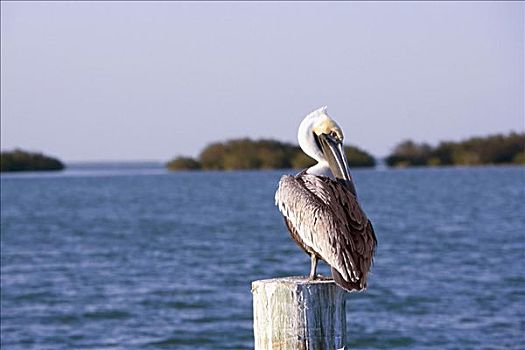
294, 313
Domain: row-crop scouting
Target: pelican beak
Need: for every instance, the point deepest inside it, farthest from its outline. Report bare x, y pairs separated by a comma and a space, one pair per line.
335, 155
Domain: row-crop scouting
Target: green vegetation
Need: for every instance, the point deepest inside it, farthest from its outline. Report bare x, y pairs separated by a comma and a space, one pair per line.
183, 163
19, 160
261, 154
493, 149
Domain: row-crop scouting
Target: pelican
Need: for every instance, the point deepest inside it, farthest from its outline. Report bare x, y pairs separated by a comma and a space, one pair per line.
321, 209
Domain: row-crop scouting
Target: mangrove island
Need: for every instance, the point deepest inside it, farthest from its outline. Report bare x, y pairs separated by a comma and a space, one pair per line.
492, 149
242, 154
19, 160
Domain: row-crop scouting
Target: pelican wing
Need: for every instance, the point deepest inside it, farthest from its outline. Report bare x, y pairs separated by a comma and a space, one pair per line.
328, 219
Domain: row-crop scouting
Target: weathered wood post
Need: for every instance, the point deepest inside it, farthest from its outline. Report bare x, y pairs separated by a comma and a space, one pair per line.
294, 313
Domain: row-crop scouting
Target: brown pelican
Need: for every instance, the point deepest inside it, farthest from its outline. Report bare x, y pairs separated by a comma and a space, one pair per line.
321, 209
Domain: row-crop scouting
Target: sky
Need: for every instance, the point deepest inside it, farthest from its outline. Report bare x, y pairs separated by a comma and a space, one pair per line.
92, 81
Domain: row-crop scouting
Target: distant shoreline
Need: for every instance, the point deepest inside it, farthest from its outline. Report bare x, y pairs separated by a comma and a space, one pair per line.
246, 154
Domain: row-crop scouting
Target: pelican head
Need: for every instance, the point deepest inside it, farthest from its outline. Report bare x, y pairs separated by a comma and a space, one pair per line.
321, 138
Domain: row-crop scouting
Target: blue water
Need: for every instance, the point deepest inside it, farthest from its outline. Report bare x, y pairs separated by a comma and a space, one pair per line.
145, 259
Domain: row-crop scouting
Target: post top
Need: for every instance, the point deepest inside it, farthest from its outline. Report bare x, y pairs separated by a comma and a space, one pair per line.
294, 281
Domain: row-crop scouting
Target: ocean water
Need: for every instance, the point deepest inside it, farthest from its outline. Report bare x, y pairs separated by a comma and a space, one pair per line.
146, 259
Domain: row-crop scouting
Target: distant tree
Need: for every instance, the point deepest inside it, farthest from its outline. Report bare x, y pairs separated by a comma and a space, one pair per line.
240, 154
443, 154
301, 161
519, 158
409, 153
183, 163
211, 157
358, 158
19, 160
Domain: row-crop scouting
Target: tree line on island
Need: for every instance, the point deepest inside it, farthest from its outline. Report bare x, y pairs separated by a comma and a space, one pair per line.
245, 153
492, 149
270, 154
19, 160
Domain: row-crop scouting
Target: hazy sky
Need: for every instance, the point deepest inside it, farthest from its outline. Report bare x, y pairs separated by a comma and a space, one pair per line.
132, 80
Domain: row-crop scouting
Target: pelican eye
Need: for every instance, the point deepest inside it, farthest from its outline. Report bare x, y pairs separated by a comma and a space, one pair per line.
334, 135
